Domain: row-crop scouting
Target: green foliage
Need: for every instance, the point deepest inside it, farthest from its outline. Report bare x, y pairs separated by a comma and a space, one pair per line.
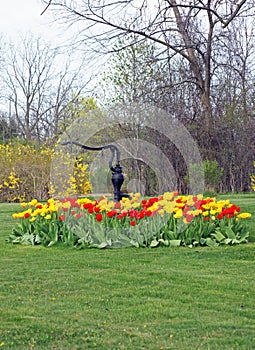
45, 232
8, 129
201, 233
211, 172
79, 107
131, 71
40, 224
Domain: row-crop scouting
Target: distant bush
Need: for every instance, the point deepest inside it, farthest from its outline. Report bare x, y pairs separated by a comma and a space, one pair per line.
211, 172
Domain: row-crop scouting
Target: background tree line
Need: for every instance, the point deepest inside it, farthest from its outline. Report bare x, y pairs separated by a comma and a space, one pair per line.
193, 59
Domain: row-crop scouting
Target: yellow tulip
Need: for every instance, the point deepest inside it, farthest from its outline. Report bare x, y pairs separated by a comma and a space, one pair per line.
161, 212
33, 203
178, 214
244, 215
168, 196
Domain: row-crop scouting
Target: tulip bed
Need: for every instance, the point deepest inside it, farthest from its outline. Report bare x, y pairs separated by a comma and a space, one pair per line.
167, 220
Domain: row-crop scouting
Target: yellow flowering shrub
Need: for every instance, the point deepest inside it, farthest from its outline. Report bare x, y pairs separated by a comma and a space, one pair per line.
25, 172
69, 176
10, 187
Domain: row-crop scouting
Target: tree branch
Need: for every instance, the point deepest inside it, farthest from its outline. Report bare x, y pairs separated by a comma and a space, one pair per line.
46, 7
226, 23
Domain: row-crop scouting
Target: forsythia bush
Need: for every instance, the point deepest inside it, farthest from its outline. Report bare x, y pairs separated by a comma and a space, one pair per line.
70, 176
25, 173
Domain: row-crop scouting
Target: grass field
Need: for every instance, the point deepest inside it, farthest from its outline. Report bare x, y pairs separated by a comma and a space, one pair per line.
165, 298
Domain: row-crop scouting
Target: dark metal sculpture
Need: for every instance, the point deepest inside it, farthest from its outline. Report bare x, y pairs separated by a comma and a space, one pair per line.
117, 175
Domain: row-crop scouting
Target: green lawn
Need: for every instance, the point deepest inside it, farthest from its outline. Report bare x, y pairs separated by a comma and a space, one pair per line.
164, 298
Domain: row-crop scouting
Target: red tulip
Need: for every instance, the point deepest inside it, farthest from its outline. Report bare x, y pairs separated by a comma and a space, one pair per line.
99, 217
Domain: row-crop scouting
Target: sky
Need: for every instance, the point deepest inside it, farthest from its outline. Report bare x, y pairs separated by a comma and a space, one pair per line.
20, 16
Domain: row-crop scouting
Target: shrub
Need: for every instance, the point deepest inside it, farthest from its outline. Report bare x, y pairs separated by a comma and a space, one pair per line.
211, 172
25, 171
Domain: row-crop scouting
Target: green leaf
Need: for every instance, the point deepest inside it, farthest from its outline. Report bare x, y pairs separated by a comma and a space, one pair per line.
38, 239
134, 243
99, 235
102, 245
164, 241
27, 239
16, 240
170, 234
202, 241
154, 243
123, 238
51, 243
109, 242
211, 243
218, 236
230, 233
243, 236
175, 243
227, 241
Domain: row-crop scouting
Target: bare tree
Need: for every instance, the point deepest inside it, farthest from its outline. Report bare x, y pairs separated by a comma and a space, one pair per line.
207, 55
2, 44
38, 86
188, 29
233, 91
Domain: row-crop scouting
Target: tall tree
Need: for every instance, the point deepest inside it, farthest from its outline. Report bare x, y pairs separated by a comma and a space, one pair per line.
39, 86
189, 29
206, 54
131, 72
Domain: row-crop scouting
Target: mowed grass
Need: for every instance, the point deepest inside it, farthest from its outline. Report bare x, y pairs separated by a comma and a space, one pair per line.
180, 298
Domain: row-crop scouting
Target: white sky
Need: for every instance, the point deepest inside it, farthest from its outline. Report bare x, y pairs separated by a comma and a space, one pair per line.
20, 16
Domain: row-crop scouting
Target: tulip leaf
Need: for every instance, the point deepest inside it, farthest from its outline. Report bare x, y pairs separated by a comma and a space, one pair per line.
175, 243
230, 233
218, 236
154, 243
210, 242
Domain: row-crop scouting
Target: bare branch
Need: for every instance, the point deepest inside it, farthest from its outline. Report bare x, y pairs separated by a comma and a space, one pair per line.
46, 7
234, 14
